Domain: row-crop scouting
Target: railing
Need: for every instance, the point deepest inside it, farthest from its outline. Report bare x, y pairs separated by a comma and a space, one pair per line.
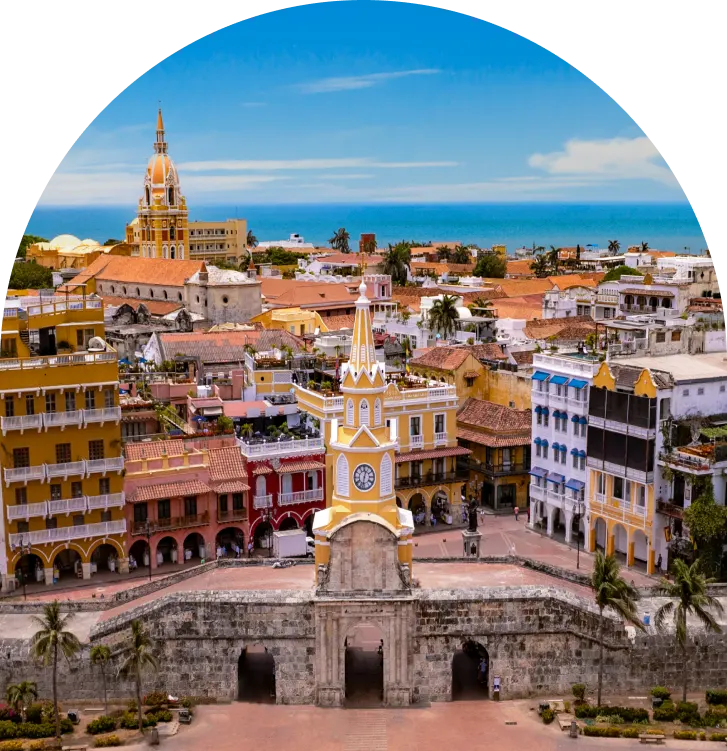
262, 501
503, 467
46, 308
428, 394
234, 515
54, 361
25, 474
61, 419
170, 522
26, 510
432, 478
565, 364
21, 423
537, 492
416, 441
106, 414
65, 469
67, 505
624, 505
441, 439
264, 449
114, 464
670, 509
639, 510
687, 460
62, 534
618, 469
302, 496
110, 500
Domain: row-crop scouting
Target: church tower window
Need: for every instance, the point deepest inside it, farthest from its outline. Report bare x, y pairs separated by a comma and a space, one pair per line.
363, 412
377, 413
349, 412
342, 476
385, 473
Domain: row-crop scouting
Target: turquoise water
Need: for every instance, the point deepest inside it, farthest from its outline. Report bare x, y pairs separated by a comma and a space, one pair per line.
663, 226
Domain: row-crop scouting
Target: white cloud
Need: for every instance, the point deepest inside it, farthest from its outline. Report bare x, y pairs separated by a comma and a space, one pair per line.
347, 83
610, 159
241, 165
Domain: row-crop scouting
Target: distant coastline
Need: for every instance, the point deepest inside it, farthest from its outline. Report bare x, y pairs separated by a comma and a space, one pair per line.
664, 226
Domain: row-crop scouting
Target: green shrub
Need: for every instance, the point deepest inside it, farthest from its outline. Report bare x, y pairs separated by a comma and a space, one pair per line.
34, 713
566, 706
11, 746
37, 730
8, 729
688, 713
630, 732
685, 735
718, 737
37, 746
130, 721
626, 714
587, 712
659, 692
66, 725
717, 696
715, 716
665, 713
548, 715
597, 732
105, 741
102, 724
579, 691
132, 706
186, 702
161, 715
702, 736
155, 698
48, 711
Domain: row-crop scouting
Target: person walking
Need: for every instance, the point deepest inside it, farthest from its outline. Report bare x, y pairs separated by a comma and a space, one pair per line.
516, 510
250, 548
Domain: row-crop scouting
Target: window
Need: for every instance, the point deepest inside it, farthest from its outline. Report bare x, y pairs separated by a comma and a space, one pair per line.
55, 492
104, 486
70, 399
377, 412
51, 523
342, 479
141, 513
416, 470
95, 449
106, 515
545, 452
261, 486
9, 406
29, 404
685, 392
237, 501
63, 453
600, 483
76, 489
78, 520
575, 461
363, 412
23, 527
641, 496
582, 462
50, 402
21, 495
540, 418
386, 487
164, 509
538, 449
722, 388
439, 424
700, 391
222, 501
89, 399
21, 457
349, 412
660, 337
108, 398
546, 418
287, 483
415, 426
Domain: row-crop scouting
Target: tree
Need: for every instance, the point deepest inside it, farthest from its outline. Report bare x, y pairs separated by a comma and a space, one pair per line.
554, 258
112, 241
225, 424
613, 275
443, 253
614, 246
100, 656
644, 247
688, 597
611, 591
539, 267
578, 254
443, 315
137, 656
339, 241
27, 241
20, 694
29, 275
280, 257
52, 640
396, 262
592, 341
491, 266
246, 430
251, 239
481, 304
461, 255
707, 522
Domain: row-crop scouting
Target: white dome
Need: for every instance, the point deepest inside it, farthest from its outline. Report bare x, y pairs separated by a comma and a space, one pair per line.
88, 241
65, 242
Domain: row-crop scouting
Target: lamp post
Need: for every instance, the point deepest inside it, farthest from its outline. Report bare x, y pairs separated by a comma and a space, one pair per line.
147, 532
579, 506
24, 550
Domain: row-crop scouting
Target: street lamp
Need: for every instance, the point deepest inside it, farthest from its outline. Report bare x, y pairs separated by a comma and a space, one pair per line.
147, 532
24, 550
579, 506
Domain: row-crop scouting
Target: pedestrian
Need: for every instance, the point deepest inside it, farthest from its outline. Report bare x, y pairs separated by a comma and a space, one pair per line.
658, 563
250, 548
517, 511
381, 652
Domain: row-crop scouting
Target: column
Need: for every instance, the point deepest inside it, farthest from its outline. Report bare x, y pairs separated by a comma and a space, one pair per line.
551, 519
86, 570
123, 565
533, 509
651, 561
48, 572
610, 540
590, 537
629, 547
568, 525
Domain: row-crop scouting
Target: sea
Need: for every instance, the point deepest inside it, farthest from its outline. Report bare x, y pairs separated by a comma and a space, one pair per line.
663, 226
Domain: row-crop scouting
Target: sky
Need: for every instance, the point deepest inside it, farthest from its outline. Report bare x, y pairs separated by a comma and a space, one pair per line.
366, 102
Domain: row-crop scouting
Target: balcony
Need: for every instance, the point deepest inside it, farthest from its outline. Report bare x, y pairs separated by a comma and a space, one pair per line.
302, 496
170, 522
21, 423
500, 468
111, 500
260, 449
431, 478
62, 419
670, 509
26, 510
103, 466
537, 492
440, 439
25, 474
233, 515
416, 441
55, 361
64, 534
107, 414
67, 506
262, 501
641, 476
66, 469
695, 460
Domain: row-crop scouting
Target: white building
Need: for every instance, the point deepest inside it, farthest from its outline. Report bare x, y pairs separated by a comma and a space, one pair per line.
294, 242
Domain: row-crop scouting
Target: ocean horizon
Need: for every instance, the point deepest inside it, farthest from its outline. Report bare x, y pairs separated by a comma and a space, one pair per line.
664, 226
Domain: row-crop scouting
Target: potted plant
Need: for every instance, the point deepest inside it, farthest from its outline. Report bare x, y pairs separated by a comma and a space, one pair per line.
659, 695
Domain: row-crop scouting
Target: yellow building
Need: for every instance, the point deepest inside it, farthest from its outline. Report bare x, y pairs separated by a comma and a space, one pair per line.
294, 320
212, 241
68, 252
160, 229
62, 485
362, 449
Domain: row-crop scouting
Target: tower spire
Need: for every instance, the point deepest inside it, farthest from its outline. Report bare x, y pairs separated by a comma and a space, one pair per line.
160, 147
363, 356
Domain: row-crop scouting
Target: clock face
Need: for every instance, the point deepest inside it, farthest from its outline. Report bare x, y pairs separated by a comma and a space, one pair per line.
364, 477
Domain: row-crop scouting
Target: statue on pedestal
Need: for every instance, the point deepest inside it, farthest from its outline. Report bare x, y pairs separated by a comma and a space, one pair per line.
473, 516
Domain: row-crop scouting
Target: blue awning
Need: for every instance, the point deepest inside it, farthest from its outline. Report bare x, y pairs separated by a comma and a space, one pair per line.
574, 452
544, 442
539, 411
583, 421
563, 447
556, 446
556, 414
540, 375
574, 418
576, 384
575, 485
559, 380
546, 411
538, 471
554, 477
582, 453
538, 441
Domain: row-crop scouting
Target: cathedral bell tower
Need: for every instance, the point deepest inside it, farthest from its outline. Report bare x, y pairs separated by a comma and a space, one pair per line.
363, 450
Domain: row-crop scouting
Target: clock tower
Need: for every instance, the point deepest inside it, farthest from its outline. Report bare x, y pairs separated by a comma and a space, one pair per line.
363, 448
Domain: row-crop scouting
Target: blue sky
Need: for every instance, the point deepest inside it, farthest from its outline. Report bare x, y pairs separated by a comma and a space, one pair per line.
367, 102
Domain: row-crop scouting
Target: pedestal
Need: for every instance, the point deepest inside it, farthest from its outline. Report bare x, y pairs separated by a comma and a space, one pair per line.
471, 542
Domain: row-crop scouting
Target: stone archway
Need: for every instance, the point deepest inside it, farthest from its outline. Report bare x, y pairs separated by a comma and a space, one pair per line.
418, 508
288, 523
600, 536
139, 555
105, 557
470, 672
364, 650
29, 569
256, 675
67, 565
167, 551
194, 548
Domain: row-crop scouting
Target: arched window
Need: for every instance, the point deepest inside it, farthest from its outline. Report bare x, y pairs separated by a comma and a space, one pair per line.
342, 476
349, 412
386, 484
312, 480
148, 196
261, 485
287, 483
164, 251
172, 252
173, 233
377, 412
363, 412
171, 196
151, 293
124, 289
179, 295
166, 297
138, 292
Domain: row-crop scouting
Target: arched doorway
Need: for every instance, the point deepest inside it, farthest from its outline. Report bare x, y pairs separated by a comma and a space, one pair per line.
308, 524
288, 523
641, 546
29, 569
418, 509
620, 539
167, 551
67, 565
364, 665
105, 558
256, 675
470, 672
600, 528
139, 555
264, 535
226, 541
440, 508
194, 547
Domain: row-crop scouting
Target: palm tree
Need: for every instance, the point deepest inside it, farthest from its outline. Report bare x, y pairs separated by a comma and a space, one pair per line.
137, 656
443, 315
339, 241
554, 258
462, 255
644, 247
20, 694
688, 596
482, 304
443, 253
612, 591
251, 239
540, 267
52, 640
614, 246
100, 655
246, 430
396, 263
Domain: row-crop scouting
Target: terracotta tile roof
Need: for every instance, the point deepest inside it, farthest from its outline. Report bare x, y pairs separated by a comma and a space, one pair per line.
573, 327
351, 258
492, 440
224, 346
471, 374
527, 307
572, 280
226, 464
128, 270
306, 465
627, 375
441, 358
154, 449
416, 456
523, 357
234, 486
336, 323
490, 351
289, 293
155, 307
478, 413
169, 490
520, 287
262, 469
519, 268
411, 296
